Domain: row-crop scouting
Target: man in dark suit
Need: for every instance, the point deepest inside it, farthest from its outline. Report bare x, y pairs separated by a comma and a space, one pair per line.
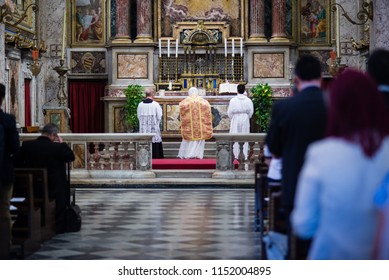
377, 68
297, 122
10, 146
48, 151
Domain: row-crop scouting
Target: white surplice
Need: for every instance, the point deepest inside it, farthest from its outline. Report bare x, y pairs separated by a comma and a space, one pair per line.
240, 110
191, 149
149, 116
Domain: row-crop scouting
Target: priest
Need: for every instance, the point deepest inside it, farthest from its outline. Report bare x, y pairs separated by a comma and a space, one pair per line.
196, 125
149, 114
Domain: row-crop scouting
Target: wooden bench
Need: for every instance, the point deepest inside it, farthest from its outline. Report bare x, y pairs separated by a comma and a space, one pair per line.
26, 227
42, 199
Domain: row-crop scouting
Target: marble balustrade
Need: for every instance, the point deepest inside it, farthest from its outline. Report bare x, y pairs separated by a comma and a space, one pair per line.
105, 156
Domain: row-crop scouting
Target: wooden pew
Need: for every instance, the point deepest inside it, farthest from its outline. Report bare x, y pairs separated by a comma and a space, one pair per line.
42, 200
26, 228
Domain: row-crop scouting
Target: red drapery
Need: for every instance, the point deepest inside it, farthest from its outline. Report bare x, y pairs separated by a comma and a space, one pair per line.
27, 103
86, 106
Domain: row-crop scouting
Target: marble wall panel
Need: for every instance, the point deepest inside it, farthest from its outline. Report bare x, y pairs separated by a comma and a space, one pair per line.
268, 65
86, 62
132, 66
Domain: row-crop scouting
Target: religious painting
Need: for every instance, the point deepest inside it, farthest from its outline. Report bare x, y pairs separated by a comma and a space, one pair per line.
314, 22
173, 11
88, 22
80, 156
268, 65
132, 66
87, 62
322, 55
19, 8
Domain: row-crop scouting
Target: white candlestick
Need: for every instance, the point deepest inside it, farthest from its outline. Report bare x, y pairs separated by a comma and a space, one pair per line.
225, 47
241, 46
338, 31
63, 34
233, 47
160, 47
176, 47
168, 47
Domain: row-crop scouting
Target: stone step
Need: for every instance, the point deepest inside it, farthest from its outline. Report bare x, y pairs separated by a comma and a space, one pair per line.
170, 149
182, 174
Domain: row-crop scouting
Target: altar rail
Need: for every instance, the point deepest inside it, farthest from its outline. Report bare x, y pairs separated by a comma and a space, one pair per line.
105, 156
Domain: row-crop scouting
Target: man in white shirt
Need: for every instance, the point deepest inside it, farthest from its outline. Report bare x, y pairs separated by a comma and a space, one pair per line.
149, 114
240, 110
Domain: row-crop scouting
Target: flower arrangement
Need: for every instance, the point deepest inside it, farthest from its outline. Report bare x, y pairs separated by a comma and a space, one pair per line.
134, 95
261, 95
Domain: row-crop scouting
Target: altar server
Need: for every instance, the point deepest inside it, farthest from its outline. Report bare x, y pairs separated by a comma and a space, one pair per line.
196, 125
149, 114
240, 110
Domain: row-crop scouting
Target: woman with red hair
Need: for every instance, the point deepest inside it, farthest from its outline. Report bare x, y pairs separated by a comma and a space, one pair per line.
333, 203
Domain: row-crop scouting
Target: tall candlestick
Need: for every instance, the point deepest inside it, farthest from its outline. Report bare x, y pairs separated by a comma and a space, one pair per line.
168, 47
63, 34
160, 47
176, 47
241, 46
338, 31
225, 47
233, 47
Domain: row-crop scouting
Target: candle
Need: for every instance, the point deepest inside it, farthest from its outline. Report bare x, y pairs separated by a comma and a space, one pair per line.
225, 47
338, 31
233, 47
176, 47
241, 46
168, 47
160, 47
63, 34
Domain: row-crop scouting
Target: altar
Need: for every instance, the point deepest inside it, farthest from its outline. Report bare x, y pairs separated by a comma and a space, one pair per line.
170, 126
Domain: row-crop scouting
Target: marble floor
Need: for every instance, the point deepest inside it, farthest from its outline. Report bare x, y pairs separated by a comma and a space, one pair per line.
154, 224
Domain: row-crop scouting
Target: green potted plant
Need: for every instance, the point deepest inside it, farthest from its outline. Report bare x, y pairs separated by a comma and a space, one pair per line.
261, 95
134, 95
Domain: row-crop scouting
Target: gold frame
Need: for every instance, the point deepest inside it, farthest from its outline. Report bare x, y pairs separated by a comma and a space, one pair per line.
27, 25
73, 19
314, 42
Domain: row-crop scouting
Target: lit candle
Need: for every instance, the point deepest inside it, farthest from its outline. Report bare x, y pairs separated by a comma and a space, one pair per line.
63, 34
159, 46
338, 31
176, 47
168, 47
241, 46
225, 47
233, 47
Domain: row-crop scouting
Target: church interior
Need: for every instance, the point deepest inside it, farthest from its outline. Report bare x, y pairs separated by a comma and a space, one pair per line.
72, 63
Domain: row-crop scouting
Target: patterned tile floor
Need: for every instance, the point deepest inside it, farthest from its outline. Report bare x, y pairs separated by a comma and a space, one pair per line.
182, 224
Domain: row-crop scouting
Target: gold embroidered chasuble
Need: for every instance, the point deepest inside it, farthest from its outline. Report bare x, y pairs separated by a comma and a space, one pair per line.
196, 118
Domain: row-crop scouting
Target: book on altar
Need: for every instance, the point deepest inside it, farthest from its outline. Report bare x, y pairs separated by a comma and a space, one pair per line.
227, 87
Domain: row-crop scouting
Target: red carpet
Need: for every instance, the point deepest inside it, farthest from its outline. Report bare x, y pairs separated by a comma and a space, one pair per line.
174, 163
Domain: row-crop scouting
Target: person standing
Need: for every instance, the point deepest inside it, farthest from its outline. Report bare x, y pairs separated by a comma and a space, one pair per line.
196, 125
296, 122
377, 68
334, 200
149, 114
10, 146
50, 152
240, 110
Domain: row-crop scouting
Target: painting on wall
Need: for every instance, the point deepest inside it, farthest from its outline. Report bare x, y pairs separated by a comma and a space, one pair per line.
322, 55
86, 62
88, 22
314, 22
173, 11
268, 65
17, 9
132, 66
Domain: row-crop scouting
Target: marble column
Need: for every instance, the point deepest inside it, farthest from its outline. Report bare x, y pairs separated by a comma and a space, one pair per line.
144, 21
279, 21
257, 21
122, 20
